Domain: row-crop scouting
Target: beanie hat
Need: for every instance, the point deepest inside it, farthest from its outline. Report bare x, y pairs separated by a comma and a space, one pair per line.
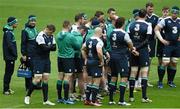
11, 21
32, 18
175, 10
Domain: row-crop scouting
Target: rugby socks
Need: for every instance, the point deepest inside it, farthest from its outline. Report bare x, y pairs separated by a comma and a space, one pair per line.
59, 88
88, 92
112, 89
74, 86
66, 90
31, 88
45, 91
171, 71
161, 72
109, 77
95, 91
131, 86
144, 87
122, 88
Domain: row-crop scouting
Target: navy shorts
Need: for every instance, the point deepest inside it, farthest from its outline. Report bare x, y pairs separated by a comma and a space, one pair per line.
41, 65
159, 51
119, 65
171, 51
66, 65
93, 68
142, 60
78, 65
152, 45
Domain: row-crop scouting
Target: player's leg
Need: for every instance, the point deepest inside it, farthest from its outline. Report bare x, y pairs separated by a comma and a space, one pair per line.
69, 70
112, 83
134, 69
45, 79
124, 72
60, 80
97, 74
38, 71
144, 69
167, 50
9, 69
151, 56
133, 73
88, 89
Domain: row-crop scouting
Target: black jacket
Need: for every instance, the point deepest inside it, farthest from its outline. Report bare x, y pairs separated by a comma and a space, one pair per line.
9, 44
28, 45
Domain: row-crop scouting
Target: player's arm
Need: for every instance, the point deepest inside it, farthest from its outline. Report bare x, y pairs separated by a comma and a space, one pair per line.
53, 47
84, 53
99, 49
75, 43
130, 44
10, 44
24, 38
42, 44
157, 30
148, 35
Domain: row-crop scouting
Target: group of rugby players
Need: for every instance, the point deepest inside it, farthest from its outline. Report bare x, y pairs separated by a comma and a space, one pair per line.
92, 53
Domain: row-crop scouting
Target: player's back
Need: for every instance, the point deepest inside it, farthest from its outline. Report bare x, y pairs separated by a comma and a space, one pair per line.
138, 31
118, 43
91, 45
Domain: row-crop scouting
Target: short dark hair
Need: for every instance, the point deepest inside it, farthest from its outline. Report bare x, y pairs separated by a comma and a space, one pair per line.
78, 16
110, 9
66, 23
98, 14
165, 8
51, 27
142, 13
119, 22
149, 4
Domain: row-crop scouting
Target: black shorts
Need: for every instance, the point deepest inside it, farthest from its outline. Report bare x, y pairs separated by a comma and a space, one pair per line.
152, 45
41, 65
78, 65
66, 65
142, 60
171, 51
93, 68
159, 51
119, 65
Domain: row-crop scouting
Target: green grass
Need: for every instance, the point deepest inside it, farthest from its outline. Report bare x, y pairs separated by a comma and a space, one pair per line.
55, 11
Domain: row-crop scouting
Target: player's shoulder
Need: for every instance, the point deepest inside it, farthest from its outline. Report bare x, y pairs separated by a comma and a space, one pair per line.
119, 31
41, 33
143, 22
155, 15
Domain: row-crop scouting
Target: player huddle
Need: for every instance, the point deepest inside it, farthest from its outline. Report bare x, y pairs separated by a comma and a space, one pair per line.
93, 53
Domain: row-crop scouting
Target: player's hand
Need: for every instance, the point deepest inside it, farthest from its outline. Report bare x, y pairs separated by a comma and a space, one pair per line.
135, 53
165, 42
101, 64
149, 49
24, 58
85, 62
107, 57
179, 39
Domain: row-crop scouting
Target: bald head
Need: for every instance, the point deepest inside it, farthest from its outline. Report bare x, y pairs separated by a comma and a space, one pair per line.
98, 32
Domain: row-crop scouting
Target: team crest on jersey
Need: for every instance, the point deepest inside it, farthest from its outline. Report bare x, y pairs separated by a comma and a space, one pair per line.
169, 21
